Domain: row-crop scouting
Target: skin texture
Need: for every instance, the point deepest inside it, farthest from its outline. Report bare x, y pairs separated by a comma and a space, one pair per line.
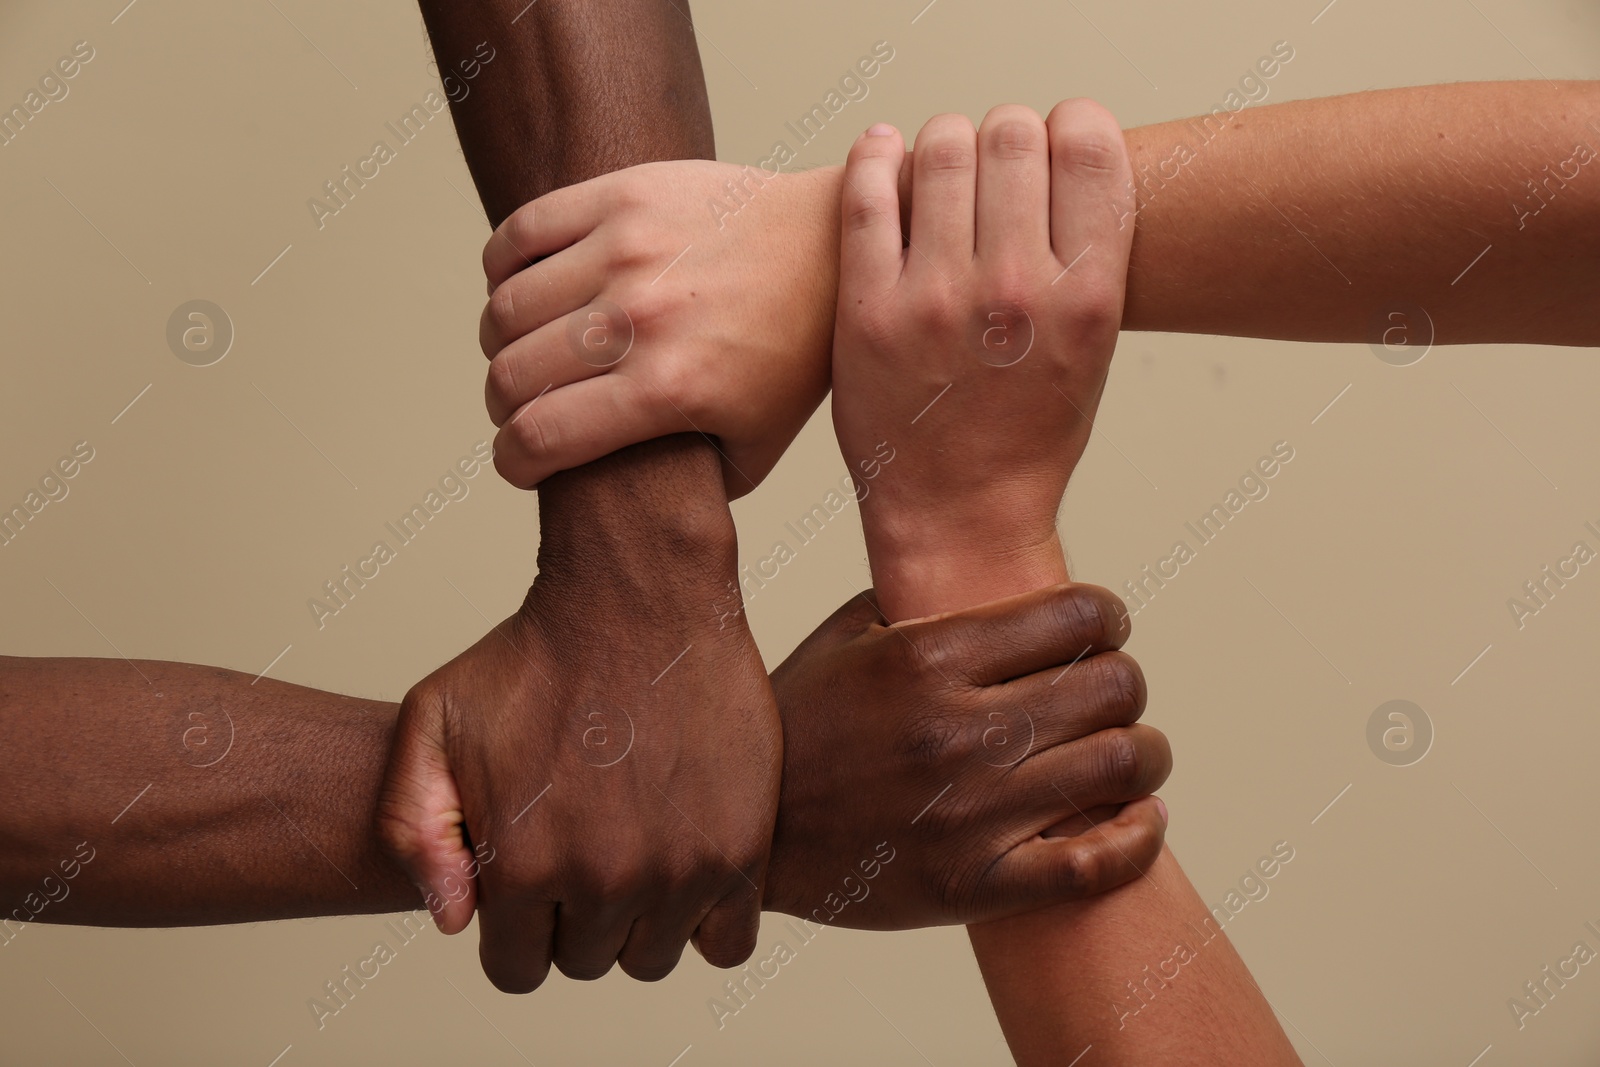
261, 794
259, 806
1395, 188
695, 318
633, 552
1054, 975
963, 739
997, 315
1317, 220
625, 773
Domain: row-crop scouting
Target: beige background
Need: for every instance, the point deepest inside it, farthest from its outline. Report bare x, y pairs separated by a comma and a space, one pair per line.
1378, 568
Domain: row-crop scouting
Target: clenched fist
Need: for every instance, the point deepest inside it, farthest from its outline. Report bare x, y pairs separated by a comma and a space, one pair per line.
944, 771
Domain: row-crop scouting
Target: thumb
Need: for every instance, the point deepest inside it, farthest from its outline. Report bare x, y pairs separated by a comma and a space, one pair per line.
420, 821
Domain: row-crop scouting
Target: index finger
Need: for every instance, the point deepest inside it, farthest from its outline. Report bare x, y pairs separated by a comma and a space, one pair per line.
1006, 639
869, 212
1091, 196
516, 939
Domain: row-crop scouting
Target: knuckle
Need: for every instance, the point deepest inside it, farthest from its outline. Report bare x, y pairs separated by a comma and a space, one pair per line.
1079, 619
503, 466
701, 866
1075, 874
947, 158
1120, 762
726, 949
630, 189
488, 338
679, 381
1090, 154
1014, 133
868, 154
946, 145
398, 820
1085, 139
677, 880
641, 404
935, 653
610, 878
863, 211
932, 741
1097, 305
501, 389
1123, 692
500, 315
631, 248
511, 461
1013, 286
531, 434
904, 661
520, 226
646, 308
1116, 622
934, 309
618, 886
1157, 761
635, 252
517, 230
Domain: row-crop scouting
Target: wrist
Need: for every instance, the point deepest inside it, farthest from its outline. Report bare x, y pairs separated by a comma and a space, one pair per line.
816, 257
661, 496
822, 186
646, 529
935, 569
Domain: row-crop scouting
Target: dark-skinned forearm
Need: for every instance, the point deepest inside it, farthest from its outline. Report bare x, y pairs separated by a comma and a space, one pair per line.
199, 795
577, 90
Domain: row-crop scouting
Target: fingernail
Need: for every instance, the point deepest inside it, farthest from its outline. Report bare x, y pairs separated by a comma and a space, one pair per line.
1162, 808
880, 129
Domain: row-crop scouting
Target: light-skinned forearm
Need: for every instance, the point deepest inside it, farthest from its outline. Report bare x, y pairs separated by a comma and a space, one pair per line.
1306, 220
1144, 973
1079, 974
1311, 220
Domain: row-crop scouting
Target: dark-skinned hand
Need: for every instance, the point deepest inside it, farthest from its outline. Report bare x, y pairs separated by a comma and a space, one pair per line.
966, 767
614, 746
